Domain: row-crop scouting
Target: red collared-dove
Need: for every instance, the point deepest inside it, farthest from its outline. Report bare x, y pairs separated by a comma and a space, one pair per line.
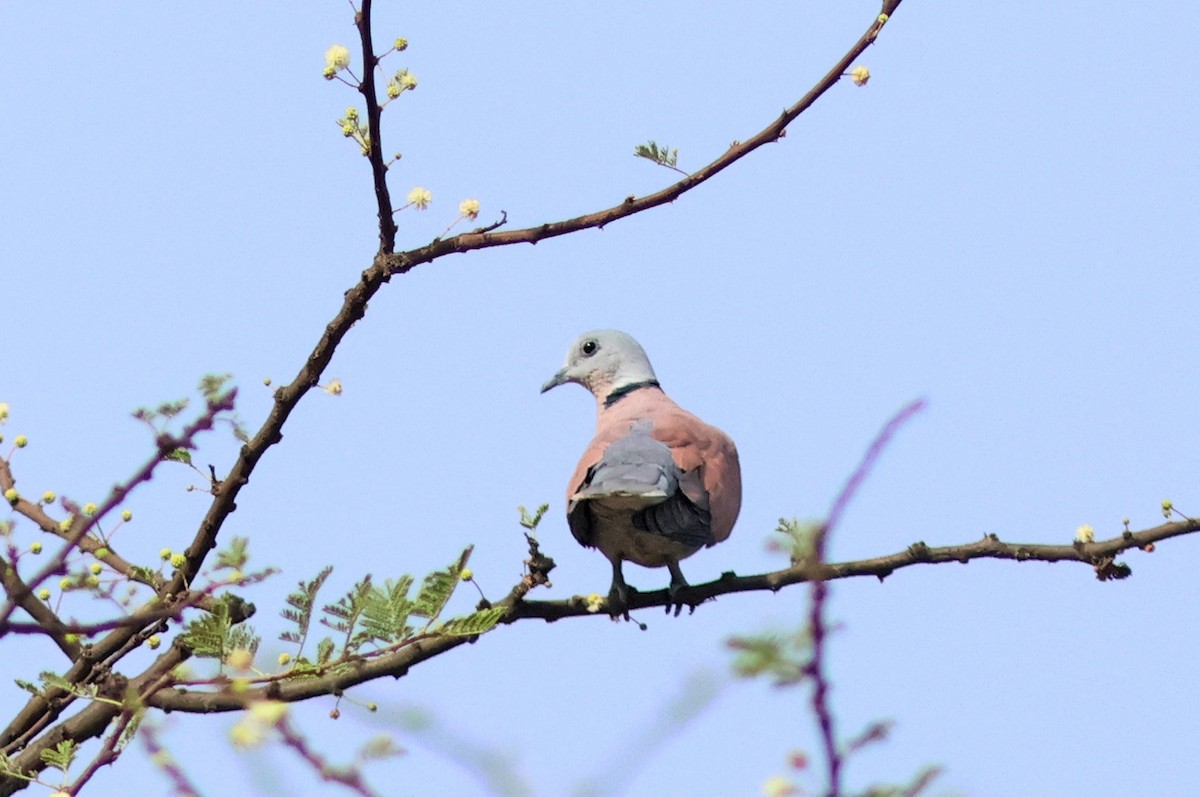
656, 484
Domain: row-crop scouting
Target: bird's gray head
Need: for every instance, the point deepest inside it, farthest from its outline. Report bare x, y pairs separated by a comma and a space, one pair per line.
604, 361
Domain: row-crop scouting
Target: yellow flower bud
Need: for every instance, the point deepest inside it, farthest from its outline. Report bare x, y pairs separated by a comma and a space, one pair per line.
240, 659
337, 58
469, 208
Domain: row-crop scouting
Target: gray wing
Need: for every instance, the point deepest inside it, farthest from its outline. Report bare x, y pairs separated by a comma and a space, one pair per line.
639, 474
636, 468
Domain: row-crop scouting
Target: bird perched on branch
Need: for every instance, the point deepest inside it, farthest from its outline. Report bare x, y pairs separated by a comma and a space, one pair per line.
656, 484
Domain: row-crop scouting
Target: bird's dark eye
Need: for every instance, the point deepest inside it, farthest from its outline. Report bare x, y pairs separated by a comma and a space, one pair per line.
589, 348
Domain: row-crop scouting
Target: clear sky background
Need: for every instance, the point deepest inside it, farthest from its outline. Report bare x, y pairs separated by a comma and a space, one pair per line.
1005, 221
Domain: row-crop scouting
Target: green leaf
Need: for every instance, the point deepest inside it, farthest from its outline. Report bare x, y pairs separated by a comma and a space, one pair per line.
179, 455
211, 386
663, 156
385, 611
61, 756
478, 623
235, 556
302, 602
346, 612
324, 651
380, 746
531, 521
30, 687
214, 635
437, 587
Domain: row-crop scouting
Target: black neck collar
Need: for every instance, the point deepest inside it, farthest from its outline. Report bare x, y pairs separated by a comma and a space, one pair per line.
625, 390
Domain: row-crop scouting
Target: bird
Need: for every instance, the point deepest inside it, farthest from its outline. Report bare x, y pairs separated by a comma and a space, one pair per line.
656, 483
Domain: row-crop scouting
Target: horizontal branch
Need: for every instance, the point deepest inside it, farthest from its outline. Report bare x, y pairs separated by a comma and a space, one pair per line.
1098, 555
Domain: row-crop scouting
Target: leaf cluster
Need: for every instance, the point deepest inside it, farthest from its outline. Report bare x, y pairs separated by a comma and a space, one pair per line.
379, 616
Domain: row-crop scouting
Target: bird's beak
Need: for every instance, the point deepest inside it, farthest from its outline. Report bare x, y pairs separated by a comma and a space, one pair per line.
558, 379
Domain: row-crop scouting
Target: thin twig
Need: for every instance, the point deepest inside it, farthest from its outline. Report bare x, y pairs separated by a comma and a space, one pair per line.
350, 777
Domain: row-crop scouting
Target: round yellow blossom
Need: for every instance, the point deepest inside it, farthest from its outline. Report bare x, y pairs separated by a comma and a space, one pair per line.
235, 575
165, 554
35, 547
594, 602
334, 388
1167, 506
48, 497
126, 515
467, 574
44, 594
351, 113
12, 496
268, 712
96, 568
469, 208
71, 637
21, 441
89, 509
64, 524
337, 57
64, 583
285, 659
101, 553
178, 560
407, 80
3, 411
347, 130
778, 786
240, 659
1085, 533
92, 581
247, 734
860, 75
329, 72
401, 44
393, 90
153, 642
267, 381
420, 197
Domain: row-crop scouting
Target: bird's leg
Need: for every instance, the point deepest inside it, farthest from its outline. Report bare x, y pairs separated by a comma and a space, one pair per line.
678, 583
618, 593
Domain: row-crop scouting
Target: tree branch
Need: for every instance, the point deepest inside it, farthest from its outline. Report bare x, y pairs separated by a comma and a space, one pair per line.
397, 664
465, 242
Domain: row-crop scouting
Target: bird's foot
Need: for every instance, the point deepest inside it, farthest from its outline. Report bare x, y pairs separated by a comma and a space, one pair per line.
675, 590
618, 601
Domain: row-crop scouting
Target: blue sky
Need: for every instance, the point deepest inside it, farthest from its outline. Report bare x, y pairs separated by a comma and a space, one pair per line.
1004, 222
